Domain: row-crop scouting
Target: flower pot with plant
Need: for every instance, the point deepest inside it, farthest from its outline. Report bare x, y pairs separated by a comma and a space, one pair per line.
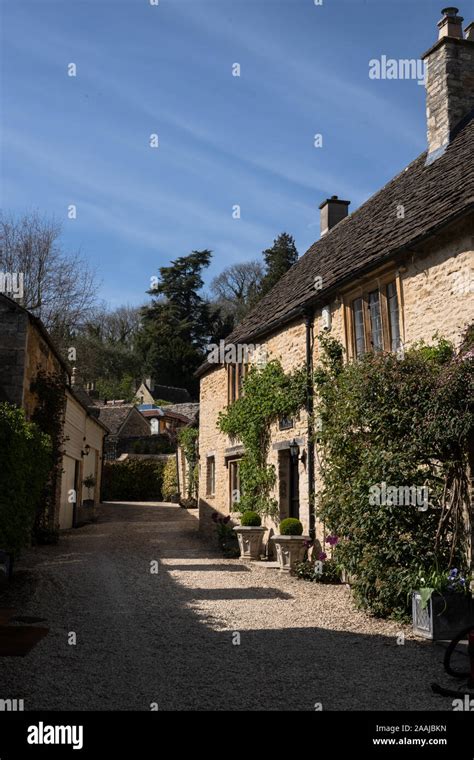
442, 605
250, 535
290, 545
89, 483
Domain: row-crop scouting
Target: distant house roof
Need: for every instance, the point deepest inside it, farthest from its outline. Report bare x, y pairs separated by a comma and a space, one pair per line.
114, 417
170, 393
189, 410
432, 195
165, 412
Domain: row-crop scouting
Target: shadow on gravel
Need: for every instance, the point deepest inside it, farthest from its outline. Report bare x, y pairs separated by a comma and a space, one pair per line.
140, 642
210, 567
214, 594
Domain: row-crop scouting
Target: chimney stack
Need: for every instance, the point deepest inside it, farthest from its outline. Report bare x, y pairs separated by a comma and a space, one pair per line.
449, 81
333, 211
451, 24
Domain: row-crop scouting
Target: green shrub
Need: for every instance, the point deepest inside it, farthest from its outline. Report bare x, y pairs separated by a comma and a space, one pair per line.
170, 479
25, 465
133, 480
392, 421
251, 519
150, 444
319, 572
291, 527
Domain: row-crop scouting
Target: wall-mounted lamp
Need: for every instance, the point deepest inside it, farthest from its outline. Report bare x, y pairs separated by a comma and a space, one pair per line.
87, 450
294, 451
326, 318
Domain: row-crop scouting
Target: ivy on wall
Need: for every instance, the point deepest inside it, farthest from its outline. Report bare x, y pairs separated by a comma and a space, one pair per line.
25, 464
268, 394
188, 440
405, 423
49, 388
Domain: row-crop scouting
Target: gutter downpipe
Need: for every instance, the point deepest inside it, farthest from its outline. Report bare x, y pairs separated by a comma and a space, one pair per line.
309, 324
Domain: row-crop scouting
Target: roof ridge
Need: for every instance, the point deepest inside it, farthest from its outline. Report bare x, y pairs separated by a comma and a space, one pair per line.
436, 194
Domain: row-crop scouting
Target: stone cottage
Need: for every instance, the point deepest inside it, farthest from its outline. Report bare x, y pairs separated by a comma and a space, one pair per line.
398, 269
25, 349
149, 392
162, 420
125, 423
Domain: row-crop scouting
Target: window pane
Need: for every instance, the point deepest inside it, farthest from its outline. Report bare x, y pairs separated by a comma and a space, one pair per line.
357, 307
392, 303
232, 382
240, 374
375, 321
211, 476
234, 482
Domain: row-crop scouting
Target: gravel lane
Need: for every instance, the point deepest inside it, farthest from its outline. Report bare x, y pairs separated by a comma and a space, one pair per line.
169, 638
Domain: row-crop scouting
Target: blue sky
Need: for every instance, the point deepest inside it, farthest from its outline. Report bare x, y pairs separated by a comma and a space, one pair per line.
223, 140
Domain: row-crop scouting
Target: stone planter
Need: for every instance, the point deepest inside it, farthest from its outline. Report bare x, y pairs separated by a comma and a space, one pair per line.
86, 512
443, 617
289, 550
250, 541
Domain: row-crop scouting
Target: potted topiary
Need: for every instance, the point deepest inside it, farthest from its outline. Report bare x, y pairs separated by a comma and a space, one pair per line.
442, 605
250, 535
290, 544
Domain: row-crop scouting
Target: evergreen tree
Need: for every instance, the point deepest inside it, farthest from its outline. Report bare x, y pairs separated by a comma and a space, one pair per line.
278, 260
179, 323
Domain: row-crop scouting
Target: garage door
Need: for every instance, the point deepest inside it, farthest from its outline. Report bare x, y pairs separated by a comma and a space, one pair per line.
67, 509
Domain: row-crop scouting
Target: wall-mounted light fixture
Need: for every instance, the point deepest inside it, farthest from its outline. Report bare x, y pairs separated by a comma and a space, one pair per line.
326, 318
294, 451
87, 450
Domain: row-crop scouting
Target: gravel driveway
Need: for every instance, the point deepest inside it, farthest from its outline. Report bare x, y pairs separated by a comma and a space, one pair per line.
168, 638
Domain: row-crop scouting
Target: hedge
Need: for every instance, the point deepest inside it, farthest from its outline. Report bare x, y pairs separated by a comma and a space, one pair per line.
133, 480
170, 480
25, 465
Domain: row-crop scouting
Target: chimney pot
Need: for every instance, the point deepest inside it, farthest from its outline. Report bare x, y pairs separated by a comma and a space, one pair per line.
451, 24
333, 210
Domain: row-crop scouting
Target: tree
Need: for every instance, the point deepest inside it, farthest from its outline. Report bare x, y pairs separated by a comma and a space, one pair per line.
105, 348
278, 260
121, 326
236, 288
179, 323
58, 287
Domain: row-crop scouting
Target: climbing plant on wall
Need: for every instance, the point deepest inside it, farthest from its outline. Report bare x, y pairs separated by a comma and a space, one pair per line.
268, 394
402, 423
25, 464
187, 439
49, 388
